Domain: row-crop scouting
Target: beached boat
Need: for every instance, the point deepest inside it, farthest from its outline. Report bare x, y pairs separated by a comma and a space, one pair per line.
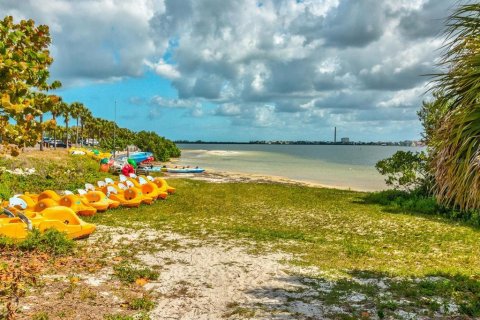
185, 170
151, 169
138, 157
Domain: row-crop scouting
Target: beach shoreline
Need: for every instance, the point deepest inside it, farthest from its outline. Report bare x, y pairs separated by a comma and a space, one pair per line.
222, 176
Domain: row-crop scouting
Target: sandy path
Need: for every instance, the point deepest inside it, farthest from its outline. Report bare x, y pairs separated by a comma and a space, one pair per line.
216, 279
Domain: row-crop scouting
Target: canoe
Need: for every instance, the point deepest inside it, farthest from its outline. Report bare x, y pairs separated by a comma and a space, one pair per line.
138, 157
185, 170
151, 169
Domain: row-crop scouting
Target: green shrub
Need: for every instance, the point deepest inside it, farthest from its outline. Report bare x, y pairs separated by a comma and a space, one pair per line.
129, 274
405, 170
141, 316
144, 304
51, 241
6, 242
417, 202
162, 149
117, 317
40, 316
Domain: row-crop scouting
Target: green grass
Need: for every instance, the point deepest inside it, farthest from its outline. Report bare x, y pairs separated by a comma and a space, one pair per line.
143, 303
129, 274
40, 316
141, 316
335, 230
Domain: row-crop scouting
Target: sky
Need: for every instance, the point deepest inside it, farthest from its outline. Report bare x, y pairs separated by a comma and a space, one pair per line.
218, 70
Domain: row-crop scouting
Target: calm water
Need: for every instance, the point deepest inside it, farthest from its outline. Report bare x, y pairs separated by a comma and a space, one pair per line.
341, 166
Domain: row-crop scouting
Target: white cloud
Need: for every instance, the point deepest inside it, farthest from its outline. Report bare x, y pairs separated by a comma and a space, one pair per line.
328, 60
164, 69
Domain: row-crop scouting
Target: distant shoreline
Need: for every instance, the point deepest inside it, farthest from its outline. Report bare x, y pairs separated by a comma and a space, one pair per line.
406, 143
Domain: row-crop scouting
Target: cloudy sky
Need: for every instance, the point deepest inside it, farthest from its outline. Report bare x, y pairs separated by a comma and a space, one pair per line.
246, 69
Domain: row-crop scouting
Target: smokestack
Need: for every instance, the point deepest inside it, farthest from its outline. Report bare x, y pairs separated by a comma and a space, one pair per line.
335, 135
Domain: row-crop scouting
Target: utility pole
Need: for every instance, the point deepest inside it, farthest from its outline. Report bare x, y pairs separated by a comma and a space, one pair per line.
335, 135
114, 129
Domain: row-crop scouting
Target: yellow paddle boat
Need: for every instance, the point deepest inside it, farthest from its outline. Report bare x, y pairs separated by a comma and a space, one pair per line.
148, 188
162, 184
96, 198
75, 203
127, 199
60, 218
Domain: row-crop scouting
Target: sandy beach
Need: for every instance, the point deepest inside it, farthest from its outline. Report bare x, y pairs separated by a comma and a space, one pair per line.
215, 176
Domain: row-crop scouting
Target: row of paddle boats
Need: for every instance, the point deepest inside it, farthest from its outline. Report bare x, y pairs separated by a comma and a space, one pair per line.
48, 209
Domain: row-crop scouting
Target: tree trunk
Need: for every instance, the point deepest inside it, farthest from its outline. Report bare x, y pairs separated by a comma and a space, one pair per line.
41, 135
55, 133
66, 132
76, 141
81, 134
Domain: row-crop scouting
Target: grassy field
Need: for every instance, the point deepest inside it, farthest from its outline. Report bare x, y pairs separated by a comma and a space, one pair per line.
333, 229
423, 262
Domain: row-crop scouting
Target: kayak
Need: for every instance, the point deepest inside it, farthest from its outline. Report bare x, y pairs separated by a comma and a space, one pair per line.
185, 170
138, 157
151, 169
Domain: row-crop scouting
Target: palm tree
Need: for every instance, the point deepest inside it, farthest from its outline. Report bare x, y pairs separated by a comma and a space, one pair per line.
84, 115
76, 109
43, 104
66, 111
455, 147
56, 111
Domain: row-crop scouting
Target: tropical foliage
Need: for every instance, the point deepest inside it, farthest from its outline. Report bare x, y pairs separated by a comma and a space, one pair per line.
24, 63
162, 148
451, 120
405, 170
455, 147
24, 86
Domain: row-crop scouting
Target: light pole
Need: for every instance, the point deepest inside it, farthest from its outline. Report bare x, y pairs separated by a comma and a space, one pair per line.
114, 129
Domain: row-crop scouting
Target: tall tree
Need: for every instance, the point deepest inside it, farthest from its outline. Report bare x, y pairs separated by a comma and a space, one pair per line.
455, 146
65, 112
76, 109
44, 103
84, 115
55, 111
24, 63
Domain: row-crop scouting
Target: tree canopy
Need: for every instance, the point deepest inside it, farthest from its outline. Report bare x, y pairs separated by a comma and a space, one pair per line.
24, 84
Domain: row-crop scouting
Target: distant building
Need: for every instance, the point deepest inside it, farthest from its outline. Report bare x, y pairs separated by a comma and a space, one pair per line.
345, 140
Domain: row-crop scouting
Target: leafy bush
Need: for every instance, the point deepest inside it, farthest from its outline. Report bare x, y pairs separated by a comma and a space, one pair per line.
142, 304
141, 316
51, 241
405, 170
418, 202
40, 316
162, 149
404, 201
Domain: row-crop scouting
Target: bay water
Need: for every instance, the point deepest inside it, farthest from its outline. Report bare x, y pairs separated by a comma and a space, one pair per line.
344, 166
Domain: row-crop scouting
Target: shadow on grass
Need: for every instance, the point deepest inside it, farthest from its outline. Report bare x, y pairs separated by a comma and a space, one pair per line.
364, 295
394, 201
